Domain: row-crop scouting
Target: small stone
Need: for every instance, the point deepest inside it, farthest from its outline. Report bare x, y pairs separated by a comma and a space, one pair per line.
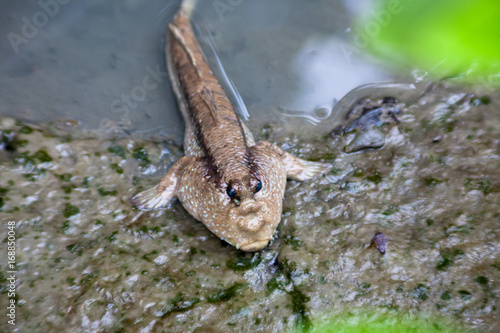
437, 139
380, 240
7, 123
372, 138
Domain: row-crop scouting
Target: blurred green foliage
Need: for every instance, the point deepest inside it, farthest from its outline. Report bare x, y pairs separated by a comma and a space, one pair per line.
444, 37
385, 322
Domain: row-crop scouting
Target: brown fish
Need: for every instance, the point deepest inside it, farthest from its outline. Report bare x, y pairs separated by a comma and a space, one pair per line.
232, 185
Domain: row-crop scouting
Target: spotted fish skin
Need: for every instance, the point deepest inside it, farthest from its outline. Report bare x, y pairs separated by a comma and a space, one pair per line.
226, 180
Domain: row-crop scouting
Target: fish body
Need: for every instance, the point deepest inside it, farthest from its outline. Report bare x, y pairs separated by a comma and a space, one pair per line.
226, 180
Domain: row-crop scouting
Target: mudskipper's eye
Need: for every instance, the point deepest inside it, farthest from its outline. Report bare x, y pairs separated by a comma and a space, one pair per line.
259, 186
231, 192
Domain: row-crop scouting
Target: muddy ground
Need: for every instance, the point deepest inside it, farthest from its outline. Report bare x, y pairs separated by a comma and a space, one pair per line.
89, 262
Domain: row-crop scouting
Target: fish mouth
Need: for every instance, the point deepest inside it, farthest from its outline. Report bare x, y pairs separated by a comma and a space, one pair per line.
254, 246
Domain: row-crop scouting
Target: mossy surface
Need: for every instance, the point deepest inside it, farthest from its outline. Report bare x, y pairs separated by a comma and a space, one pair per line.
86, 254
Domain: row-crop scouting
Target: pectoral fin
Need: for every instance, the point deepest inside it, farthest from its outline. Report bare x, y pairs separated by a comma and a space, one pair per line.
161, 194
297, 168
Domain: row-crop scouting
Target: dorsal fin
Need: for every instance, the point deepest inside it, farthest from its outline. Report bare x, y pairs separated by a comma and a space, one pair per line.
208, 97
181, 40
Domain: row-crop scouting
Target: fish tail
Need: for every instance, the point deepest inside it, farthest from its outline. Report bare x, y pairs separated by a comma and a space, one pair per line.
187, 7
151, 199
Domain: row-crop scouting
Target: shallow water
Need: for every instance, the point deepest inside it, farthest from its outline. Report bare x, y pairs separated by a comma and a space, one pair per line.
280, 55
88, 262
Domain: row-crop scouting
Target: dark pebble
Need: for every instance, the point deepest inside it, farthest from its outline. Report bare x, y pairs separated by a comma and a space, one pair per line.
380, 241
437, 139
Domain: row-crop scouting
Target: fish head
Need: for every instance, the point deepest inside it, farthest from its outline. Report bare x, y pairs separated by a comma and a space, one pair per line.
244, 210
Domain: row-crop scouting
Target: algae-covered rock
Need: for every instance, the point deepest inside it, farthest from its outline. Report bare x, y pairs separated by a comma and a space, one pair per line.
87, 261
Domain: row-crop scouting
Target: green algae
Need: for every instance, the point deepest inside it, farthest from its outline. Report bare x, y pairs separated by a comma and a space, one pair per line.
142, 156
68, 188
375, 177
390, 210
244, 262
190, 273
273, 284
420, 292
102, 192
481, 280
483, 100
432, 182
465, 295
448, 257
3, 197
25, 160
287, 270
444, 263
223, 295
26, 130
299, 300
148, 256
446, 295
65, 177
294, 242
75, 249
112, 237
484, 185
116, 168
42, 156
70, 210
178, 304
119, 151
175, 239
86, 181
